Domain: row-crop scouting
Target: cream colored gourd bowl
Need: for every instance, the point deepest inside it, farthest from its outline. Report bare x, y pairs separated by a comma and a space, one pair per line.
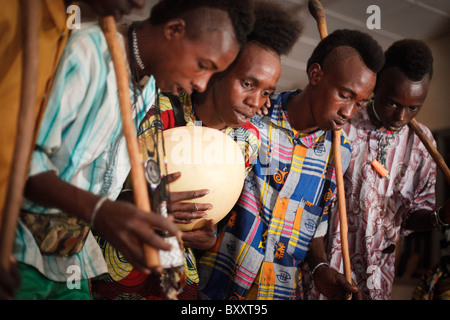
207, 159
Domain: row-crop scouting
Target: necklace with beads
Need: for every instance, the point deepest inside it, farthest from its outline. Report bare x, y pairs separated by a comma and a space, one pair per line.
383, 137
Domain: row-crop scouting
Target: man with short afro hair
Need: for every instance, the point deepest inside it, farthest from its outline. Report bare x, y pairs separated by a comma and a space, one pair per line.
381, 208
286, 196
245, 85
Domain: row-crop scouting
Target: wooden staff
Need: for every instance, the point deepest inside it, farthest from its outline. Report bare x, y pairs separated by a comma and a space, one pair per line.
25, 129
316, 10
137, 170
431, 149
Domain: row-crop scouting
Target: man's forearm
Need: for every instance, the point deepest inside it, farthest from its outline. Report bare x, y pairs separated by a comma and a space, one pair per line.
48, 190
316, 253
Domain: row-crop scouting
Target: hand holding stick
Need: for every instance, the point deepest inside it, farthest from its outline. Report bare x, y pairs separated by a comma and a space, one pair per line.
137, 170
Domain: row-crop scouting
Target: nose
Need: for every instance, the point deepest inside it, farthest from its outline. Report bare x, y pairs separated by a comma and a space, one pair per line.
400, 115
255, 101
200, 83
347, 110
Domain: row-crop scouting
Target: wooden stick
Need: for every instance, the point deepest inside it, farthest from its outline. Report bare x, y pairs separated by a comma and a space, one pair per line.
25, 130
431, 149
316, 10
137, 170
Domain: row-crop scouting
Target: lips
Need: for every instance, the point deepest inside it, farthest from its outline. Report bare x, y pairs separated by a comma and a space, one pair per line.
395, 127
338, 124
242, 118
177, 90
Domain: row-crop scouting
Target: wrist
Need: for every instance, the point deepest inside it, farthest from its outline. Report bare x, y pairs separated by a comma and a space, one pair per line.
438, 216
320, 264
96, 209
435, 219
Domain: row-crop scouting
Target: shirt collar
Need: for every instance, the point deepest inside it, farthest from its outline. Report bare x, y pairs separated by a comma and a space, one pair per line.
279, 118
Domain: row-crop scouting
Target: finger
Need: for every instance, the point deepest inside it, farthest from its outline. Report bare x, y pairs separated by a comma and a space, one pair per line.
349, 290
159, 222
173, 177
190, 207
188, 216
153, 239
187, 195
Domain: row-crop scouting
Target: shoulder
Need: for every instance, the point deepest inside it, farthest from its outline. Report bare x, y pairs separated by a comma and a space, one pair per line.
87, 47
250, 129
165, 104
91, 34
417, 143
425, 130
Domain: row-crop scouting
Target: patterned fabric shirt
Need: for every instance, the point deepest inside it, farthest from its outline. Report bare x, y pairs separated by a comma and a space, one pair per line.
284, 205
123, 280
247, 136
81, 139
377, 208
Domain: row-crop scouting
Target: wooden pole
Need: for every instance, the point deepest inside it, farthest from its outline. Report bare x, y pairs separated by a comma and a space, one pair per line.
137, 170
25, 129
316, 10
431, 149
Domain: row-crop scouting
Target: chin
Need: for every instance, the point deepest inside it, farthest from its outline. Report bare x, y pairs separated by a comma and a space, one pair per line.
234, 125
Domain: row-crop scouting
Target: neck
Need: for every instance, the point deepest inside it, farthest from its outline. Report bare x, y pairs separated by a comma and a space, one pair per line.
373, 116
140, 48
299, 109
204, 104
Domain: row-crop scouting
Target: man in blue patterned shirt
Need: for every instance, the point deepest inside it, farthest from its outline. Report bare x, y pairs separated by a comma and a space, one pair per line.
286, 196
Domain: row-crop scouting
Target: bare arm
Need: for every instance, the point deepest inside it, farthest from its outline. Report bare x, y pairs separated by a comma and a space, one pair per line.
121, 223
330, 282
423, 220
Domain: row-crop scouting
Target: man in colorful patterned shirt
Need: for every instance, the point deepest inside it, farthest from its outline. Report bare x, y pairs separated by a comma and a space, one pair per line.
381, 209
286, 196
231, 99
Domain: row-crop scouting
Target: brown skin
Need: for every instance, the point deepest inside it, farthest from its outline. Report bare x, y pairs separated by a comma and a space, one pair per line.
9, 281
116, 8
331, 97
334, 93
123, 224
177, 62
180, 62
242, 89
397, 101
234, 96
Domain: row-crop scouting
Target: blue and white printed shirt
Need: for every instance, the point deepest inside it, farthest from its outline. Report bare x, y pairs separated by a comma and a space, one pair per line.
283, 206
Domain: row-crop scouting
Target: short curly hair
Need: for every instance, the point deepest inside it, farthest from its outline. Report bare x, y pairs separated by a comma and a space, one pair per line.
241, 13
369, 49
413, 57
275, 27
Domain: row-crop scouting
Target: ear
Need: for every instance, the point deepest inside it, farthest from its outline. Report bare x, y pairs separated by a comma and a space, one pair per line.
174, 28
315, 73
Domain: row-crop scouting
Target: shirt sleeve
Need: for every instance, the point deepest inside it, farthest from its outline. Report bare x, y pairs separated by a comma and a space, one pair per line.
422, 196
68, 90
